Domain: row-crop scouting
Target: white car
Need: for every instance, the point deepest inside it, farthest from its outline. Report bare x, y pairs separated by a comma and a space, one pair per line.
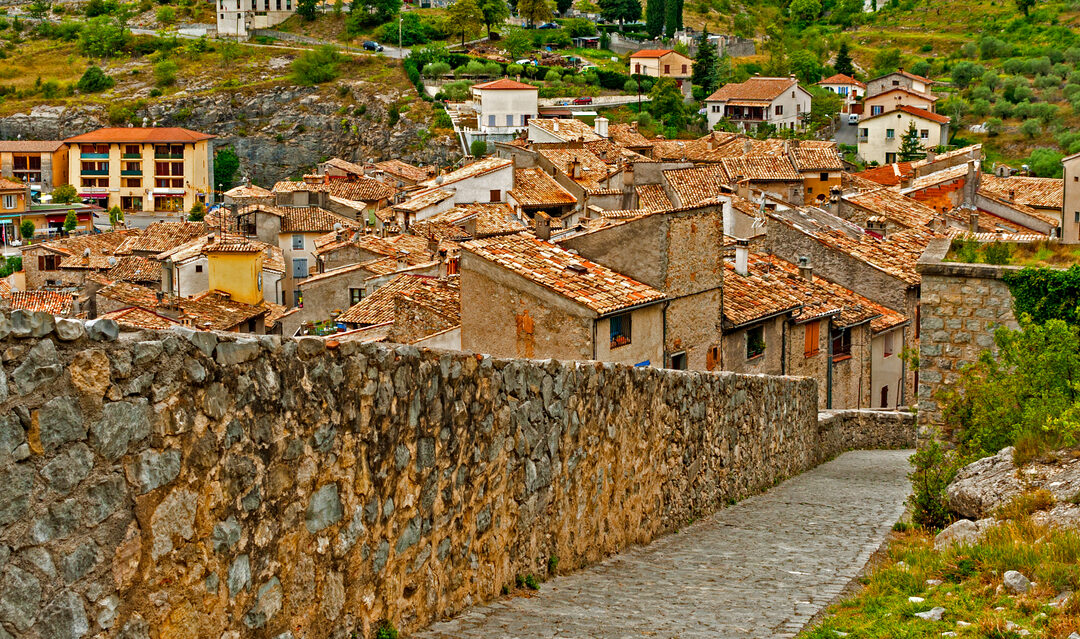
853, 118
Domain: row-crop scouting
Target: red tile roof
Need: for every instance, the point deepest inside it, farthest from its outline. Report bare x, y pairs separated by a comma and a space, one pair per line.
137, 317
53, 302
311, 219
915, 111
897, 208
130, 268
840, 78
139, 135
378, 307
535, 188
504, 85
888, 175
593, 286
30, 146
162, 236
651, 53
1043, 193
401, 169
757, 88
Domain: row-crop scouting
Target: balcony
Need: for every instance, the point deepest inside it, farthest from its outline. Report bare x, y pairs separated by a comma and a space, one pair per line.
104, 172
168, 156
94, 156
127, 173
131, 156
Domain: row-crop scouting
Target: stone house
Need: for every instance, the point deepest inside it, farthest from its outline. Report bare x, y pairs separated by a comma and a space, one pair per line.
899, 78
1070, 198
662, 63
524, 297
408, 309
779, 102
880, 135
39, 164
65, 263
238, 18
895, 98
397, 173
486, 180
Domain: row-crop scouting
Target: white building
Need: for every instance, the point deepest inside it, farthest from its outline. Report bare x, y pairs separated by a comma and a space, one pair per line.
780, 102
504, 106
846, 87
880, 135
236, 18
486, 180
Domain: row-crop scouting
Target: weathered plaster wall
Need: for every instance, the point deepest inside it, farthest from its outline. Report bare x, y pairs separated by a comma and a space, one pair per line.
182, 484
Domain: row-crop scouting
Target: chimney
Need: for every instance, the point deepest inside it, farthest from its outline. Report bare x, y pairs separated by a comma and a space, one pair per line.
742, 257
402, 259
805, 270
543, 227
742, 189
930, 155
575, 168
747, 146
1012, 195
973, 222
555, 125
601, 126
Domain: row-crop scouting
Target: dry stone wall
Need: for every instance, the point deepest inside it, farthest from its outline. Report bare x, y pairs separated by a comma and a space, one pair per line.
187, 484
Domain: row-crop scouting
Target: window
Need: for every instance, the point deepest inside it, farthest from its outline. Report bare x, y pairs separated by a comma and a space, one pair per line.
509, 120
864, 132
355, 295
678, 361
841, 344
48, 262
793, 94
824, 177
620, 330
779, 109
755, 342
876, 109
491, 120
131, 203
884, 396
637, 67
496, 195
896, 83
1077, 219
299, 267
890, 134
298, 242
298, 298
890, 158
10, 201
667, 69
798, 109
924, 134
684, 73
842, 91
716, 108
811, 339
279, 5
198, 268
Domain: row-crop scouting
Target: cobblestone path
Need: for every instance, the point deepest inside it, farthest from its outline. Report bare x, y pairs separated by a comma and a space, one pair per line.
760, 568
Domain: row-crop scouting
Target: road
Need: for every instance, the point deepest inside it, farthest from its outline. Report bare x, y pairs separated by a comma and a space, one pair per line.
602, 101
760, 568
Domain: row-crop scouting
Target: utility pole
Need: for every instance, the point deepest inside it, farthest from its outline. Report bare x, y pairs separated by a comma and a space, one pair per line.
400, 51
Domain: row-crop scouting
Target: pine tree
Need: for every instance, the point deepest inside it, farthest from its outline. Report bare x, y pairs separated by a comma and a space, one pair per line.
843, 61
673, 17
911, 147
655, 15
705, 65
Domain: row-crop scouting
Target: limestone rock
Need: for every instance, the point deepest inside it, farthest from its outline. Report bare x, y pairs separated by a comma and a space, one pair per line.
151, 470
324, 509
69, 330
238, 352
40, 366
102, 330
239, 575
20, 597
121, 423
68, 468
173, 518
90, 372
982, 486
1016, 583
64, 618
934, 614
60, 421
17, 482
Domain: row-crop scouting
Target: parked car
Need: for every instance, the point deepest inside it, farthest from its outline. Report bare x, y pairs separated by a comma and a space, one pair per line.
548, 25
585, 100
853, 118
372, 46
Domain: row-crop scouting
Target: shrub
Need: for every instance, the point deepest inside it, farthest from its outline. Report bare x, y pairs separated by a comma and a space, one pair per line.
317, 66
120, 113
997, 253
385, 630
166, 15
1022, 505
94, 80
165, 73
493, 69
1031, 128
197, 212
478, 148
514, 69
980, 107
552, 76
103, 37
933, 470
436, 69
65, 194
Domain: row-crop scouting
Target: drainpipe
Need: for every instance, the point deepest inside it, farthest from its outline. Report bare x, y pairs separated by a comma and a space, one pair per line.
783, 346
594, 338
902, 395
663, 345
828, 372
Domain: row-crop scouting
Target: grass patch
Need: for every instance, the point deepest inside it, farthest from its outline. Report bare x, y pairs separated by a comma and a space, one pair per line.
1041, 253
967, 579
1021, 506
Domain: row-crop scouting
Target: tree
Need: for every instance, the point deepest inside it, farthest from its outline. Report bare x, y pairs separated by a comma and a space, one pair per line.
306, 9
317, 66
26, 229
805, 11
165, 73
844, 63
579, 27
367, 13
824, 107
1031, 128
1045, 163
39, 9
94, 80
704, 74
673, 10
464, 16
666, 103
102, 37
911, 148
805, 66
70, 221
517, 43
495, 12
116, 216
478, 148
886, 60
964, 72
65, 194
620, 10
1025, 6
534, 11
197, 212
655, 15
226, 165
562, 6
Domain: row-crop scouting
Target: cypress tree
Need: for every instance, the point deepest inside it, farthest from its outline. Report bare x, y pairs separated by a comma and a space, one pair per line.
843, 61
655, 14
705, 65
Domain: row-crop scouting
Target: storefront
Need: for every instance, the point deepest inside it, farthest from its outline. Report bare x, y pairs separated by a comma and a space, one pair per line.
169, 200
9, 229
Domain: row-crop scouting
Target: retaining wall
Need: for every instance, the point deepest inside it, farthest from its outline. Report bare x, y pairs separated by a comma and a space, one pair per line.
189, 484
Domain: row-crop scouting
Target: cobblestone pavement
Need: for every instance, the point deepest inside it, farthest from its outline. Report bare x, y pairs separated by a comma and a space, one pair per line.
760, 568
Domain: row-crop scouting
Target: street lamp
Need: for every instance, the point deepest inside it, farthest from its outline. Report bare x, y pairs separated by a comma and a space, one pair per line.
400, 22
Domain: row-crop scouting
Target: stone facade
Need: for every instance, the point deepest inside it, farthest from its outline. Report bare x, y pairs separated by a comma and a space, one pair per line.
962, 306
192, 484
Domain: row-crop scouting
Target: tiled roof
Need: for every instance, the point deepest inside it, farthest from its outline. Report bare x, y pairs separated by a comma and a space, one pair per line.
627, 135
292, 186
651, 53
504, 85
594, 286
422, 200
137, 317
937, 177
1043, 193
98, 243
755, 296
162, 236
247, 191
311, 219
759, 168
695, 185
475, 169
568, 130
1053, 219
139, 135
216, 311
897, 208
53, 302
888, 175
345, 165
758, 88
652, 197
594, 171
30, 146
363, 189
915, 111
535, 188
840, 78
918, 94
131, 268
11, 185
973, 151
612, 153
817, 158
379, 306
227, 243
401, 169
131, 294
5, 287
491, 217
716, 146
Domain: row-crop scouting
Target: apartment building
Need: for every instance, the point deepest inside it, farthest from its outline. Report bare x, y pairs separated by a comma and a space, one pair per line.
40, 164
142, 169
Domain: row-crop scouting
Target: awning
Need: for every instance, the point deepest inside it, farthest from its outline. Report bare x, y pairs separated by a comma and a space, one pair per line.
96, 196
174, 193
60, 217
747, 103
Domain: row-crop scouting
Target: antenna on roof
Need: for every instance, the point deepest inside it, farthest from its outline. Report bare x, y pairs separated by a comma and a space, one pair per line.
86, 252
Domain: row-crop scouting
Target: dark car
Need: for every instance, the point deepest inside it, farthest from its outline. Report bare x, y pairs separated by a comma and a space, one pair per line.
582, 100
372, 46
548, 25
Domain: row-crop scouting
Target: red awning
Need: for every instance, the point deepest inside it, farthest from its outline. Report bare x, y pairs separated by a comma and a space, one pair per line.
60, 217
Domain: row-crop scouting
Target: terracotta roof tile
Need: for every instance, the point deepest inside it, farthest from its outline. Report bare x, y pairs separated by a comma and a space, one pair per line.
535, 188
139, 135
11, 185
378, 307
759, 168
1043, 193
345, 165
627, 135
401, 169
758, 88
695, 185
98, 243
594, 171
131, 268
840, 78
594, 286
651, 53
897, 208
137, 317
311, 219
888, 175
504, 85
816, 158
567, 130
651, 197
474, 169
30, 146
52, 302
915, 111
162, 236
423, 199
248, 191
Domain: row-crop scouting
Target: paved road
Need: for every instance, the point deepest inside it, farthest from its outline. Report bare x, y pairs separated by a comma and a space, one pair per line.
761, 568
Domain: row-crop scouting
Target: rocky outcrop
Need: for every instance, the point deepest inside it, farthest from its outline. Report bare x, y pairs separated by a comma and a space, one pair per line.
981, 487
278, 132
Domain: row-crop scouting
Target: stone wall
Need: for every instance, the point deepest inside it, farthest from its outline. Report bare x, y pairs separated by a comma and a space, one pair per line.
862, 429
187, 484
962, 306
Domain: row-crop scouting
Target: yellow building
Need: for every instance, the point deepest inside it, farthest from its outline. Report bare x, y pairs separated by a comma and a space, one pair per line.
41, 164
140, 169
235, 267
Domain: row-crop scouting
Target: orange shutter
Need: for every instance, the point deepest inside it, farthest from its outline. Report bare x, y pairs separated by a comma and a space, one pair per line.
810, 347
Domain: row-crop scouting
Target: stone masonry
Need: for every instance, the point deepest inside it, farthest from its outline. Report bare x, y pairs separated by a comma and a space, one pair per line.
961, 307
184, 484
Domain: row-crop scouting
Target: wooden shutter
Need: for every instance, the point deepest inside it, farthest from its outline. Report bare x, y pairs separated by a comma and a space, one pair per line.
810, 345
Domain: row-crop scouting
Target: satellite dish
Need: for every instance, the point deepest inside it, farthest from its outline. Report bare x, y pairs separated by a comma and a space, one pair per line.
439, 180
337, 226
112, 261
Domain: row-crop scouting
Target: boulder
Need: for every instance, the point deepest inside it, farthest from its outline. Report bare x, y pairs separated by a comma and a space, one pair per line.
982, 486
1016, 583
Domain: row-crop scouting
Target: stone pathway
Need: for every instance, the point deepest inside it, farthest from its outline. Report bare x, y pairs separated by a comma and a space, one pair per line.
760, 568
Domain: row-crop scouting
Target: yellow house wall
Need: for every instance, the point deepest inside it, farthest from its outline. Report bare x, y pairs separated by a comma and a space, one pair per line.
236, 274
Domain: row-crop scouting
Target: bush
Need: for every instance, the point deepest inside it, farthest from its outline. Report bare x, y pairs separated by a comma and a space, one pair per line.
317, 66
94, 80
103, 37
65, 194
552, 76
1031, 128
933, 470
385, 630
166, 15
436, 69
120, 113
994, 127
165, 73
1045, 162
514, 70
478, 148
